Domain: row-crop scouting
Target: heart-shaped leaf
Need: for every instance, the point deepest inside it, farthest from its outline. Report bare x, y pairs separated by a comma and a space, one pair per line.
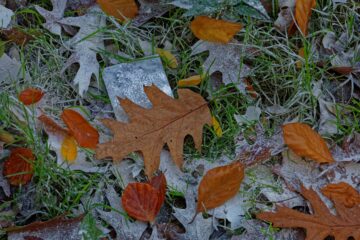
18, 167
85, 134
305, 142
219, 185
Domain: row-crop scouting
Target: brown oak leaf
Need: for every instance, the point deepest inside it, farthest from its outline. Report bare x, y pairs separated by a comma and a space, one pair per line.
167, 122
322, 223
343, 193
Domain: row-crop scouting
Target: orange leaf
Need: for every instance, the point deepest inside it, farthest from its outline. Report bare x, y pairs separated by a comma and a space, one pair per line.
305, 142
69, 149
250, 89
52, 127
342, 70
301, 53
302, 15
213, 30
219, 185
18, 166
120, 9
16, 36
85, 134
30, 96
141, 201
159, 182
190, 81
342, 193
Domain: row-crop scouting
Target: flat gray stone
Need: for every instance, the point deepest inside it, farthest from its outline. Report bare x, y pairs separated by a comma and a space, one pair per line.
127, 80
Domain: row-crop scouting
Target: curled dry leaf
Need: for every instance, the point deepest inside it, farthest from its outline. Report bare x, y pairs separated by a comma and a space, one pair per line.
342, 193
190, 81
120, 9
305, 142
85, 134
141, 201
321, 224
302, 16
30, 96
168, 57
219, 185
169, 121
18, 167
212, 30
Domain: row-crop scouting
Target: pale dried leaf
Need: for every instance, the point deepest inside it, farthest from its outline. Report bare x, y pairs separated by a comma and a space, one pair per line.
11, 70
52, 17
5, 16
286, 14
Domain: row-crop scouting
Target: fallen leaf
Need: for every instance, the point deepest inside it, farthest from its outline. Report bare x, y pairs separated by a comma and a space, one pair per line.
305, 142
216, 126
213, 30
150, 9
5, 16
303, 10
322, 223
57, 228
224, 58
6, 137
16, 35
52, 17
12, 70
301, 53
69, 149
159, 183
169, 121
18, 167
120, 9
285, 16
342, 193
219, 185
168, 57
84, 46
85, 134
141, 201
30, 96
190, 81
250, 89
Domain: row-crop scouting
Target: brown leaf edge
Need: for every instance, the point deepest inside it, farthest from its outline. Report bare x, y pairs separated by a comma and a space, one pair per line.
345, 224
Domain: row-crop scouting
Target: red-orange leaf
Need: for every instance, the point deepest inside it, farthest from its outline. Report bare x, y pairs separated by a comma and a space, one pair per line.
342, 193
85, 134
52, 127
214, 30
305, 142
219, 185
18, 166
30, 96
140, 201
120, 9
159, 182
302, 15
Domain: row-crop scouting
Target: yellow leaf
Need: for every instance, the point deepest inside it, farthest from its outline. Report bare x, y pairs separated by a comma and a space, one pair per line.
168, 57
6, 137
213, 30
301, 53
69, 149
302, 15
190, 81
120, 9
305, 142
216, 126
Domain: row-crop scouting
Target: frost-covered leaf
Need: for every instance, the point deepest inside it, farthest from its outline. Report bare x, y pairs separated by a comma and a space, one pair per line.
225, 58
5, 16
84, 46
115, 218
11, 70
52, 17
350, 150
150, 9
252, 114
286, 14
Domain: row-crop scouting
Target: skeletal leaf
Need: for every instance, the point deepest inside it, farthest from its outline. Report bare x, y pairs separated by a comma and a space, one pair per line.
30, 96
52, 17
168, 57
18, 167
322, 223
303, 10
84, 46
120, 9
212, 30
190, 81
225, 58
85, 134
342, 193
219, 185
305, 142
169, 121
